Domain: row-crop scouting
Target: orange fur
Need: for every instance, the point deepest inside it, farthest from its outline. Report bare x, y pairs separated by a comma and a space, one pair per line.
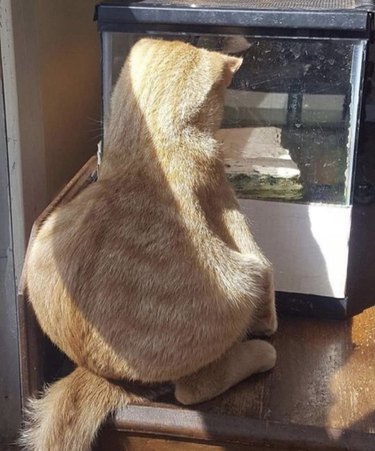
151, 273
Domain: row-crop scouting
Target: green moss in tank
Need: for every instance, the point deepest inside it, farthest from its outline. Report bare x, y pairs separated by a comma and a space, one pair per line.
266, 187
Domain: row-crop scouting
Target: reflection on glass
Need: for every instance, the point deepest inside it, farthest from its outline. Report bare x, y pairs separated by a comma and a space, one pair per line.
288, 115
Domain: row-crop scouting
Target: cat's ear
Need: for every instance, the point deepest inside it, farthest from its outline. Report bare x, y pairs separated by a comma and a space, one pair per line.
231, 66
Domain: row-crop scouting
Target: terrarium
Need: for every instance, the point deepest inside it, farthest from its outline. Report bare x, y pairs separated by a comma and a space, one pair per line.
291, 125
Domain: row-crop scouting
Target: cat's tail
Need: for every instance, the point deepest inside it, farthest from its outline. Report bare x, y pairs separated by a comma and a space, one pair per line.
68, 415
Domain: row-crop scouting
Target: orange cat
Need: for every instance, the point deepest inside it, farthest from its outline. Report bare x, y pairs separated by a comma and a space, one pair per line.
150, 274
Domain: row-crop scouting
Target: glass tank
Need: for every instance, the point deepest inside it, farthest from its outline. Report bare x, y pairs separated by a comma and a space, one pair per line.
289, 130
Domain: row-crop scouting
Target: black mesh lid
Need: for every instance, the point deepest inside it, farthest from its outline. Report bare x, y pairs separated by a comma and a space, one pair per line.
259, 4
343, 18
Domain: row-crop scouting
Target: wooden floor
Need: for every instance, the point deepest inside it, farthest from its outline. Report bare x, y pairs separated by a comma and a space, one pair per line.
321, 395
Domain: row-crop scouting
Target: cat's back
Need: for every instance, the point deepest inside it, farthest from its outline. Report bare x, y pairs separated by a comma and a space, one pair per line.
122, 222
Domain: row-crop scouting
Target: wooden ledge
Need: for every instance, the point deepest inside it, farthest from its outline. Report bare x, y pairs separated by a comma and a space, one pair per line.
206, 427
320, 396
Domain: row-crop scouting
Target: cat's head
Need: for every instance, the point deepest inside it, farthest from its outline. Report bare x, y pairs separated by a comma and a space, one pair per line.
176, 85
